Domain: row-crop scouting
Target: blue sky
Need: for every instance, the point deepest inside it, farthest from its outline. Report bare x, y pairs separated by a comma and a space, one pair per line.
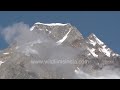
105, 24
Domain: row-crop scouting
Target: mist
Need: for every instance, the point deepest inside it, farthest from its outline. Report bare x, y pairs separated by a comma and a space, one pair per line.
47, 50
107, 72
20, 33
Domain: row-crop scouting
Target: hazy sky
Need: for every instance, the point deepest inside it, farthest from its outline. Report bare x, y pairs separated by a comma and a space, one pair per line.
106, 25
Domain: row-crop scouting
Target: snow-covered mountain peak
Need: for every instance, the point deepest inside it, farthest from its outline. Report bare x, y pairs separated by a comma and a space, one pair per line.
65, 34
95, 38
48, 24
99, 46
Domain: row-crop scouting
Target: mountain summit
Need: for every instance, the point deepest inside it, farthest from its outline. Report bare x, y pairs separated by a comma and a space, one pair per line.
56, 51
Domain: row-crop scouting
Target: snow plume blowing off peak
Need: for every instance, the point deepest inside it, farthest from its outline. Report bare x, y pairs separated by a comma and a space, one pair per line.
11, 33
21, 34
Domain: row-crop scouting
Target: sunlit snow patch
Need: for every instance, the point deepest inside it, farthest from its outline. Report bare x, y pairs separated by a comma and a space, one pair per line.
98, 40
105, 50
32, 28
92, 42
92, 51
89, 54
64, 38
114, 54
48, 24
6, 53
52, 24
1, 62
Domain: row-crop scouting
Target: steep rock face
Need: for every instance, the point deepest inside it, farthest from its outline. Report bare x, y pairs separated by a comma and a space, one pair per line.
61, 33
63, 43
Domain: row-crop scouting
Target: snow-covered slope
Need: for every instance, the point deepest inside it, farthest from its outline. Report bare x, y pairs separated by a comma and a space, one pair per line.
99, 46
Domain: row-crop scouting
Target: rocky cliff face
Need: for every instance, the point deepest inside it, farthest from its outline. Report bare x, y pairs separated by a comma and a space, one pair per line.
57, 51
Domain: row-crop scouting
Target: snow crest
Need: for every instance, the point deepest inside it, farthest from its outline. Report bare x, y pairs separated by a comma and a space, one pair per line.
47, 24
